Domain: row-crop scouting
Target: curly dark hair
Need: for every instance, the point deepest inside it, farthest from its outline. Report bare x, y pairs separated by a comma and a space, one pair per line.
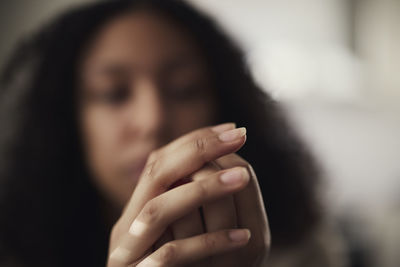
50, 210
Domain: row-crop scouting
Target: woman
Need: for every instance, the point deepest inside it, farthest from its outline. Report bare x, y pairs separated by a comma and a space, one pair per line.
108, 156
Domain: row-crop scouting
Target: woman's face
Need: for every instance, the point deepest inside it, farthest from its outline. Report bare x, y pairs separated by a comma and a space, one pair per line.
143, 83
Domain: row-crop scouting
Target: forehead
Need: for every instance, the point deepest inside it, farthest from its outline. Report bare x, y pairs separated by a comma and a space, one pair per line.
142, 40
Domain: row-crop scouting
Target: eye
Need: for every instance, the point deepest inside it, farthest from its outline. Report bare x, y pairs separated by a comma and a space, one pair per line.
114, 96
185, 92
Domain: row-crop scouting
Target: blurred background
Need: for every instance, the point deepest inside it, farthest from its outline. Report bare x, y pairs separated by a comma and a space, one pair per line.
334, 65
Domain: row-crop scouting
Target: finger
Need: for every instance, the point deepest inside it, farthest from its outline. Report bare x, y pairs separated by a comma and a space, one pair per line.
161, 173
220, 214
196, 134
120, 258
166, 237
187, 226
161, 211
192, 223
190, 250
249, 203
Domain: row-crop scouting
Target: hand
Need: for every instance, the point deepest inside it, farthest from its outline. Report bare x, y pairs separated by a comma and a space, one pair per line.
244, 209
153, 207
250, 214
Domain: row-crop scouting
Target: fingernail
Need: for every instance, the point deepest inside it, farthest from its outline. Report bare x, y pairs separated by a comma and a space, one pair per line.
233, 176
232, 135
148, 262
137, 228
120, 254
224, 127
239, 235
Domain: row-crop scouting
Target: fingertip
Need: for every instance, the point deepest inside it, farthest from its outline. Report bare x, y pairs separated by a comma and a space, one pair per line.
120, 254
239, 235
232, 135
235, 176
148, 262
220, 128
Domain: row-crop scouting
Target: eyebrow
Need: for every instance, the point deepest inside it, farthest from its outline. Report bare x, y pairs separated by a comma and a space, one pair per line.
179, 62
120, 69
115, 69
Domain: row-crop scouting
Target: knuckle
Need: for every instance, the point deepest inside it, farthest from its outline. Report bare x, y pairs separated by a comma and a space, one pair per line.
200, 145
118, 228
154, 176
115, 233
168, 253
115, 230
209, 241
151, 169
201, 191
150, 212
153, 155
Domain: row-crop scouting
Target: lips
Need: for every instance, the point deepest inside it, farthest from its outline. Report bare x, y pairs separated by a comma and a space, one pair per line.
136, 168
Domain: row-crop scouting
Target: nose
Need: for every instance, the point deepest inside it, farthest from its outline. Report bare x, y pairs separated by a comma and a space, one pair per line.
146, 114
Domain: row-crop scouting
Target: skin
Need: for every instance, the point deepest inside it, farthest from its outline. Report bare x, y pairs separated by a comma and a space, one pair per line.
145, 106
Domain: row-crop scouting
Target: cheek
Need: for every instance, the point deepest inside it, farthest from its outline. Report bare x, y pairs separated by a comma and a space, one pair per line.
100, 135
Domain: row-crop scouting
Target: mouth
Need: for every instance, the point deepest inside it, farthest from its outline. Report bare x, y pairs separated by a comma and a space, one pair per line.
136, 169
